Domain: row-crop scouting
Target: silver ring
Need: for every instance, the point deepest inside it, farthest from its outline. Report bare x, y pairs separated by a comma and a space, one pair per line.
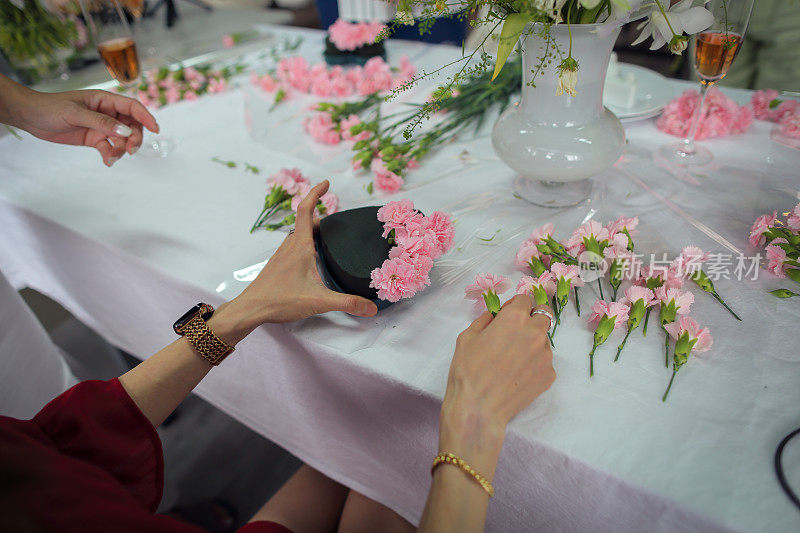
546, 313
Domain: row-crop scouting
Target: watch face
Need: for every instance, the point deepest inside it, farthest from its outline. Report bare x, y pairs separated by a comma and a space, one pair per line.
203, 308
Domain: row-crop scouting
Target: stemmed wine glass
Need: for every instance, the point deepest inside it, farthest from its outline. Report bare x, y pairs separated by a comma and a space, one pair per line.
715, 50
112, 36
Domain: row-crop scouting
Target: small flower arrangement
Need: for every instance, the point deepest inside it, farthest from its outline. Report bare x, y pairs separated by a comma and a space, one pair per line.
418, 240
781, 243
353, 42
164, 86
287, 188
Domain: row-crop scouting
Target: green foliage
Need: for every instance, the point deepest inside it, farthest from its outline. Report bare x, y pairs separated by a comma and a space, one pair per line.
33, 34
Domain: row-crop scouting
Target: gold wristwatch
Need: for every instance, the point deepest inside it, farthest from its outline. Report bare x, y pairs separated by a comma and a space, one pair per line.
192, 325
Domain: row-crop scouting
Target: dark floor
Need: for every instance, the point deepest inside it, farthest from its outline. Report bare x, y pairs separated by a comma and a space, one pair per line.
209, 456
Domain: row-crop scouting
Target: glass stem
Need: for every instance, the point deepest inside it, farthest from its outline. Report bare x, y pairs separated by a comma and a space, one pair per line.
698, 114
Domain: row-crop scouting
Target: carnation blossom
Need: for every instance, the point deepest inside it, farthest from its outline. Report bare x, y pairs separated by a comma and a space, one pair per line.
665, 273
349, 36
764, 107
793, 222
635, 293
395, 215
486, 283
441, 226
683, 299
790, 126
384, 179
527, 252
546, 281
760, 227
331, 202
690, 260
776, 256
571, 273
395, 279
322, 128
618, 310
302, 192
623, 223
689, 325
539, 234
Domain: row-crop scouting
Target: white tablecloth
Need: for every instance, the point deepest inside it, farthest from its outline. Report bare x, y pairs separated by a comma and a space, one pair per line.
129, 249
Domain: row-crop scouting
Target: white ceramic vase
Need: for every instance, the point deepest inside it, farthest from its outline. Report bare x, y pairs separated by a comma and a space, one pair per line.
556, 143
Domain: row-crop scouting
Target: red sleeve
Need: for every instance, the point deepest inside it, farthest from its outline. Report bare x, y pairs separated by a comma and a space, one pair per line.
97, 422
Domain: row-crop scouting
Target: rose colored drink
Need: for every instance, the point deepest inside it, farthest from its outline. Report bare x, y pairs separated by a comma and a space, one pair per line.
714, 53
121, 60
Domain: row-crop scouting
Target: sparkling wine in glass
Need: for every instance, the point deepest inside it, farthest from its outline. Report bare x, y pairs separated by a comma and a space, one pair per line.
112, 36
714, 52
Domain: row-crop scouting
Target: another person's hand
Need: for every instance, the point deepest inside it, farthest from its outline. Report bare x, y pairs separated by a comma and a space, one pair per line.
500, 366
289, 287
110, 123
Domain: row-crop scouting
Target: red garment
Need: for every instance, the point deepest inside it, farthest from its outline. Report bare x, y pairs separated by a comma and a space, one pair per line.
90, 461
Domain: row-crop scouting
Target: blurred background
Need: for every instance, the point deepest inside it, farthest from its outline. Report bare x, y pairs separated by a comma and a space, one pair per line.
46, 42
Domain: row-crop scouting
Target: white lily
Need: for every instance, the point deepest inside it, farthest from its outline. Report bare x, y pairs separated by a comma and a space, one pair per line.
681, 18
551, 7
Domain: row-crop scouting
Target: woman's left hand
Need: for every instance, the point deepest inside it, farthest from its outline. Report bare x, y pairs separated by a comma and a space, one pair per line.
110, 123
289, 287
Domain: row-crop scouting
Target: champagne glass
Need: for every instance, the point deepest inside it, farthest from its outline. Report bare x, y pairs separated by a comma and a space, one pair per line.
714, 52
111, 34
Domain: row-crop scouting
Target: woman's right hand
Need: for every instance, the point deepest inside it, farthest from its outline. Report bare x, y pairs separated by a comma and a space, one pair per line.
500, 366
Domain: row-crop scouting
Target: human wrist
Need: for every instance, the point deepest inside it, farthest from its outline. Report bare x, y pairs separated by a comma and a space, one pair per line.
467, 430
231, 323
15, 105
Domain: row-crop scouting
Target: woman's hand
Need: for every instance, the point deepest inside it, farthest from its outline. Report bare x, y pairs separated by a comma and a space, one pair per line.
289, 287
500, 366
110, 123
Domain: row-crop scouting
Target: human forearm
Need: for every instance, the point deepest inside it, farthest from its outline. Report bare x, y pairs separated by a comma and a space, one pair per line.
160, 383
456, 502
12, 98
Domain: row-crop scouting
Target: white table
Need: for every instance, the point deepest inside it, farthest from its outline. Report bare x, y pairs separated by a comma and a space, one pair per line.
129, 249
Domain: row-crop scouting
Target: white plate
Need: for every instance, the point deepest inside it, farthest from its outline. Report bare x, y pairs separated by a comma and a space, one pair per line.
653, 92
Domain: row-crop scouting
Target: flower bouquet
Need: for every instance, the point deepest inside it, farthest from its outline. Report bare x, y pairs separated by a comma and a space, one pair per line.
781, 242
382, 253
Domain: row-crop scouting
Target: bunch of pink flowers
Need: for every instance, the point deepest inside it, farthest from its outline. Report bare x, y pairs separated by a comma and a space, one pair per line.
294, 73
287, 188
781, 242
767, 106
162, 86
418, 241
350, 36
721, 115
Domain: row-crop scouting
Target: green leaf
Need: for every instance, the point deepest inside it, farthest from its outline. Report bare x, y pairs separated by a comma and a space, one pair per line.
783, 293
512, 28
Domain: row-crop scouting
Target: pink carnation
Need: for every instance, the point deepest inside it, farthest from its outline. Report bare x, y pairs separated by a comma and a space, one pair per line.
618, 310
762, 109
228, 41
418, 242
776, 256
384, 179
571, 273
793, 222
526, 253
688, 325
348, 36
331, 202
635, 293
290, 180
539, 234
690, 261
790, 125
721, 115
760, 227
395, 279
349, 122
683, 299
669, 278
303, 190
321, 127
190, 96
422, 265
217, 85
546, 281
486, 283
441, 226
623, 223
396, 214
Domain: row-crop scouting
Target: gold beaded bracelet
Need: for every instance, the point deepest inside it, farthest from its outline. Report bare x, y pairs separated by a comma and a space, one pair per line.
455, 460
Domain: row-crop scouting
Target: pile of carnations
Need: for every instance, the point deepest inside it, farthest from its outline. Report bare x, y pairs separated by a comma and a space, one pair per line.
295, 74
163, 86
781, 243
417, 241
557, 270
721, 115
786, 113
350, 36
287, 188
